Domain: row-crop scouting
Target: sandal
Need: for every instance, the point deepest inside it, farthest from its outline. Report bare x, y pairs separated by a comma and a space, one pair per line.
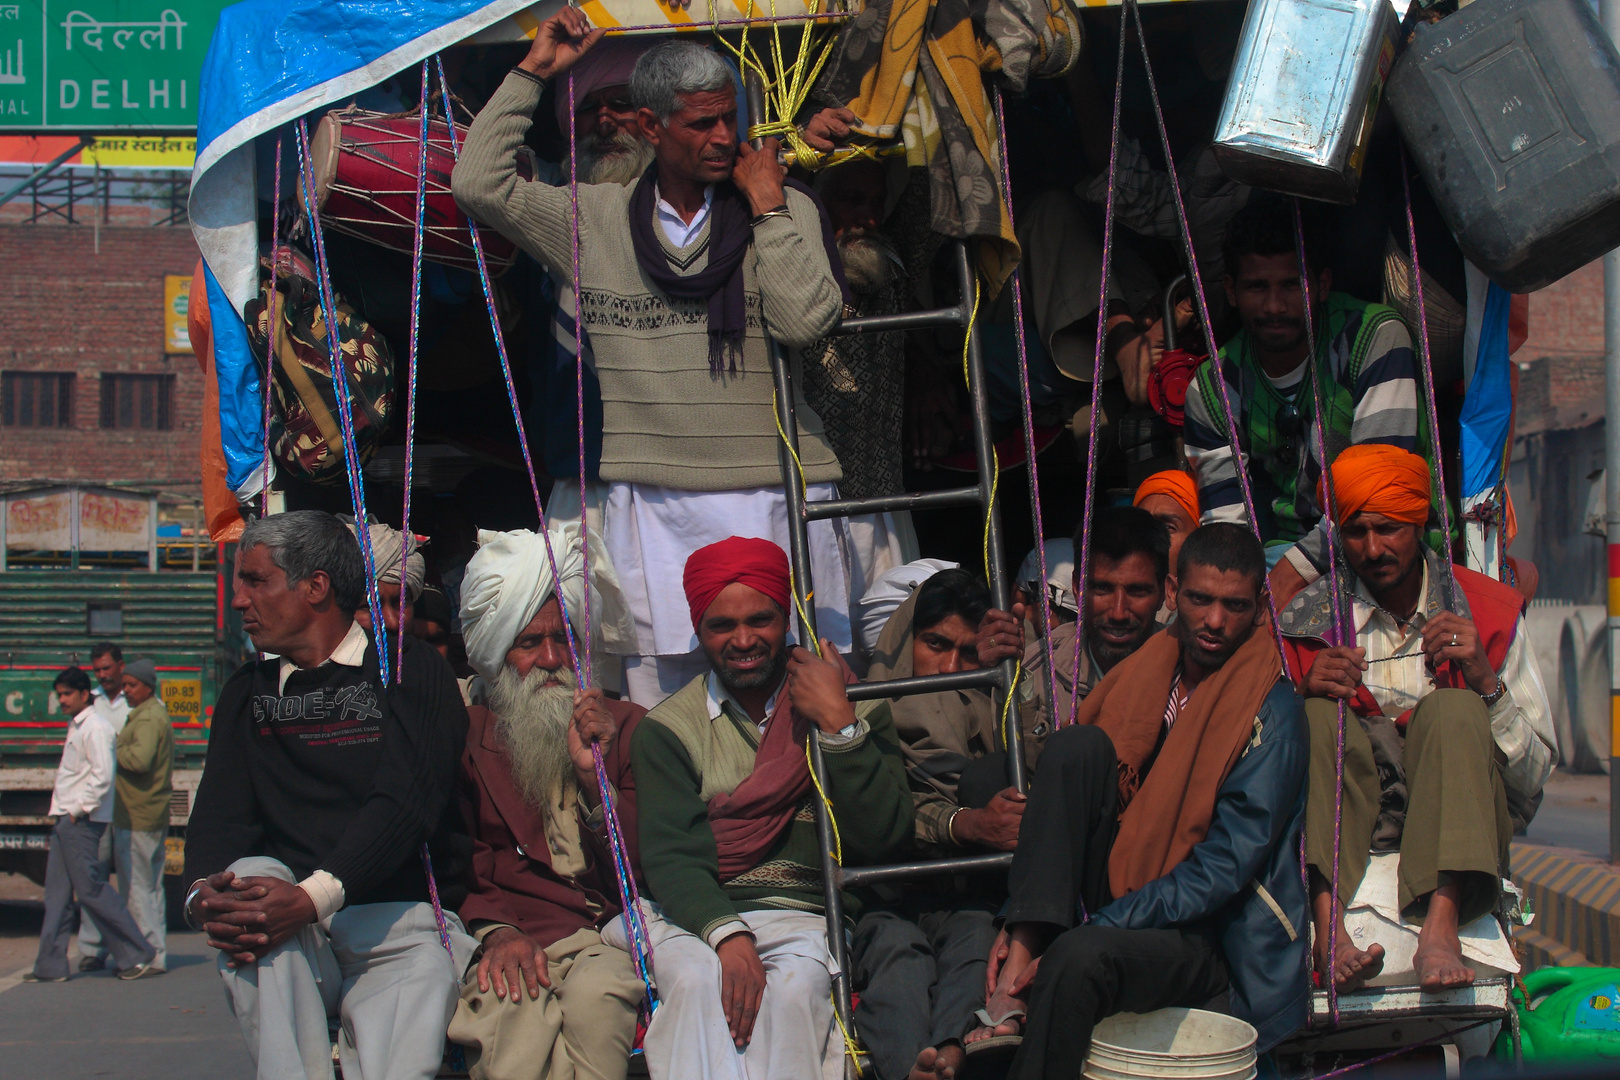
989, 1059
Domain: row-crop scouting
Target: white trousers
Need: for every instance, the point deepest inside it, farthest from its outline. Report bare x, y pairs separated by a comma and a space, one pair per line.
380, 970
138, 856
794, 1035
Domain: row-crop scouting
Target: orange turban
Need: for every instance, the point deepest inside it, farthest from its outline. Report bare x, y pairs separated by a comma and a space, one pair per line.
1175, 483
1381, 479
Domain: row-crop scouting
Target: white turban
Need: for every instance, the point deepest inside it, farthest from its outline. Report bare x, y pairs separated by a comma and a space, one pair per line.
389, 548
891, 590
509, 579
1059, 574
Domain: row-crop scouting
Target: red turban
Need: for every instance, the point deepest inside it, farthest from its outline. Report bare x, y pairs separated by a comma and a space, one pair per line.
759, 564
1382, 479
1176, 484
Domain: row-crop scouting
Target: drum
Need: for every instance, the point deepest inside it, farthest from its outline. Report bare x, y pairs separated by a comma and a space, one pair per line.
365, 185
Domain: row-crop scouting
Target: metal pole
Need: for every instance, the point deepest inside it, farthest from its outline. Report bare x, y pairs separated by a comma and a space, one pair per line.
804, 591
984, 448
1610, 11
45, 170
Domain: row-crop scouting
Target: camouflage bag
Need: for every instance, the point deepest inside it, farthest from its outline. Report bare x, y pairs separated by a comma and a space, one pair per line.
305, 436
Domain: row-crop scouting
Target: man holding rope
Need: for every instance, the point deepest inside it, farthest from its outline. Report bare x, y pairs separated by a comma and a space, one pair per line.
680, 278
1450, 737
548, 999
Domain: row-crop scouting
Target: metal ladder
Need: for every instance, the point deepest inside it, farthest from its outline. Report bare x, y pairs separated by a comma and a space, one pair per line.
998, 680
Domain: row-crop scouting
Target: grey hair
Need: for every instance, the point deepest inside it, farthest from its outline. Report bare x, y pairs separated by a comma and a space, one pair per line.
668, 72
304, 541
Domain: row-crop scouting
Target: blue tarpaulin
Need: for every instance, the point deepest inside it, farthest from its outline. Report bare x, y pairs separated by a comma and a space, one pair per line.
270, 62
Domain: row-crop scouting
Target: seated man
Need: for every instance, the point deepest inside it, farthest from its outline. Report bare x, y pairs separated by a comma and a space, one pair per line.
400, 571
728, 830
1171, 497
1368, 386
305, 844
1170, 815
548, 998
919, 959
1451, 738
1129, 561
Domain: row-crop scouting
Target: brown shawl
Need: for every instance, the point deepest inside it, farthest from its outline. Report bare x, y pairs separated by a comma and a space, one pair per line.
1164, 815
750, 818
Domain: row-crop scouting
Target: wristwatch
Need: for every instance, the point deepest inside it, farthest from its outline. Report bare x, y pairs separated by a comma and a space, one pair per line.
1496, 695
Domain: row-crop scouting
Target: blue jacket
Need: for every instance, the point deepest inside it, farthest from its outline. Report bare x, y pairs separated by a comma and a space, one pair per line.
1243, 878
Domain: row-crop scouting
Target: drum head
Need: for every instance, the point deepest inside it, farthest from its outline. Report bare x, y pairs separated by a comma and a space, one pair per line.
324, 146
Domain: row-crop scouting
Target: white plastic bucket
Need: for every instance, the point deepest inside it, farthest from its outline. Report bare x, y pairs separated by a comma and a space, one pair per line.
1172, 1044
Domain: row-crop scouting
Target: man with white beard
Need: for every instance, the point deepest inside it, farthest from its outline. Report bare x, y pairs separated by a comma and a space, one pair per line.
548, 999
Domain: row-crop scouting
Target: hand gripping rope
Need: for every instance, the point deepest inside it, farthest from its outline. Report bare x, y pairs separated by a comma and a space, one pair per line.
640, 944
340, 389
1082, 558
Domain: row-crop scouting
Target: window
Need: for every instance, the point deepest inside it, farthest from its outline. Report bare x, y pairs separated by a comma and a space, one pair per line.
140, 402
35, 399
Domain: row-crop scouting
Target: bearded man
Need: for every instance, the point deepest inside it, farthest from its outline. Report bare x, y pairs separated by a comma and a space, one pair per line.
728, 830
1451, 737
548, 999
399, 571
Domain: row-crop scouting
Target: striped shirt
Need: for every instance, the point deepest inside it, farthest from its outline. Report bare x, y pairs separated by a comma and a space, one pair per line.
1371, 396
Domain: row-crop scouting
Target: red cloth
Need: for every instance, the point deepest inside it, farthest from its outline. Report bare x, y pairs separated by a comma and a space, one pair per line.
759, 564
513, 879
1494, 607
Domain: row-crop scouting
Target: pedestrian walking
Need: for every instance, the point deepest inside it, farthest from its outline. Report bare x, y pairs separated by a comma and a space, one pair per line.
107, 697
82, 804
145, 755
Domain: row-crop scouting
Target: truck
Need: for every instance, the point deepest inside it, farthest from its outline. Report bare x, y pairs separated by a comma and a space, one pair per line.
49, 619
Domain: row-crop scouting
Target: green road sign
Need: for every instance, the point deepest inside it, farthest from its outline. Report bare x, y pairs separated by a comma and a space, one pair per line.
97, 65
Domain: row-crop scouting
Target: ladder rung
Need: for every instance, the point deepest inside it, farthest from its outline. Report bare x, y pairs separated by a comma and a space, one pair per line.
878, 504
925, 684
968, 864
908, 320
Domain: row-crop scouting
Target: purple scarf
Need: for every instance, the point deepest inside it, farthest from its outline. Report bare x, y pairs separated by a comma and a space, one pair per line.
720, 283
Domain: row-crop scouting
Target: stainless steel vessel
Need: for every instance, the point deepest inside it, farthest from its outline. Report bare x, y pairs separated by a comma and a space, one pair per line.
1303, 93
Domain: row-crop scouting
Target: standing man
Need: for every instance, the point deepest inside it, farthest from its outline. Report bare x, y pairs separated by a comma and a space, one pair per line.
107, 662
682, 276
728, 830
549, 999
1450, 737
145, 751
305, 844
82, 804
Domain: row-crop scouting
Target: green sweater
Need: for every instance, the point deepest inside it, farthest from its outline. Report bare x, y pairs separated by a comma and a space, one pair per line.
682, 759
145, 757
666, 419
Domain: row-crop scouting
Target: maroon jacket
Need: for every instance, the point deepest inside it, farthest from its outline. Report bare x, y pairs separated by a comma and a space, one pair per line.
513, 880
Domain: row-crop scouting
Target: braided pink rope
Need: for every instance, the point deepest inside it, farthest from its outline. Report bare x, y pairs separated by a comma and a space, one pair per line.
1043, 606
579, 366
274, 324
410, 382
1082, 558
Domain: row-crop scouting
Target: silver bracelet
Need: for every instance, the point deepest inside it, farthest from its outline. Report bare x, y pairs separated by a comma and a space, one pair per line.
191, 894
950, 826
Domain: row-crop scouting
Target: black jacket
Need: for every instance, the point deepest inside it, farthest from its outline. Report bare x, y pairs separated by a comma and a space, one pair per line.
1243, 878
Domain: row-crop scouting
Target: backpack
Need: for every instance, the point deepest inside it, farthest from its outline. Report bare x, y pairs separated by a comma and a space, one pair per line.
305, 436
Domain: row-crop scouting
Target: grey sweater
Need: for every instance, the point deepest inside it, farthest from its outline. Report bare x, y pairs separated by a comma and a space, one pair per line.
667, 420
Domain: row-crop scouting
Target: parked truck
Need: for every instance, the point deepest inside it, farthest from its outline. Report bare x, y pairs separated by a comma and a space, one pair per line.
49, 619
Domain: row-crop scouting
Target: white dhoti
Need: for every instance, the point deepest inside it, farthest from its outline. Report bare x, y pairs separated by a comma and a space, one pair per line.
380, 969
650, 532
795, 1037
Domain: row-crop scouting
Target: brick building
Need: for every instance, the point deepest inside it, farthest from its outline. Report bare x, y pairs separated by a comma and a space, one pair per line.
87, 391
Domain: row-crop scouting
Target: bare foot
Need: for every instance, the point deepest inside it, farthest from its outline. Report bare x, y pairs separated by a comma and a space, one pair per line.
1000, 1004
937, 1063
1352, 967
1439, 964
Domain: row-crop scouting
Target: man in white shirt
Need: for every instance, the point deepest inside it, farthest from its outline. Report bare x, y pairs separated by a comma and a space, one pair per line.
1451, 735
82, 804
107, 663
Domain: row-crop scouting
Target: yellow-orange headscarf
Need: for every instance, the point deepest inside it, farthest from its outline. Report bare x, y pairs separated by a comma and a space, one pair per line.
1381, 479
1175, 483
